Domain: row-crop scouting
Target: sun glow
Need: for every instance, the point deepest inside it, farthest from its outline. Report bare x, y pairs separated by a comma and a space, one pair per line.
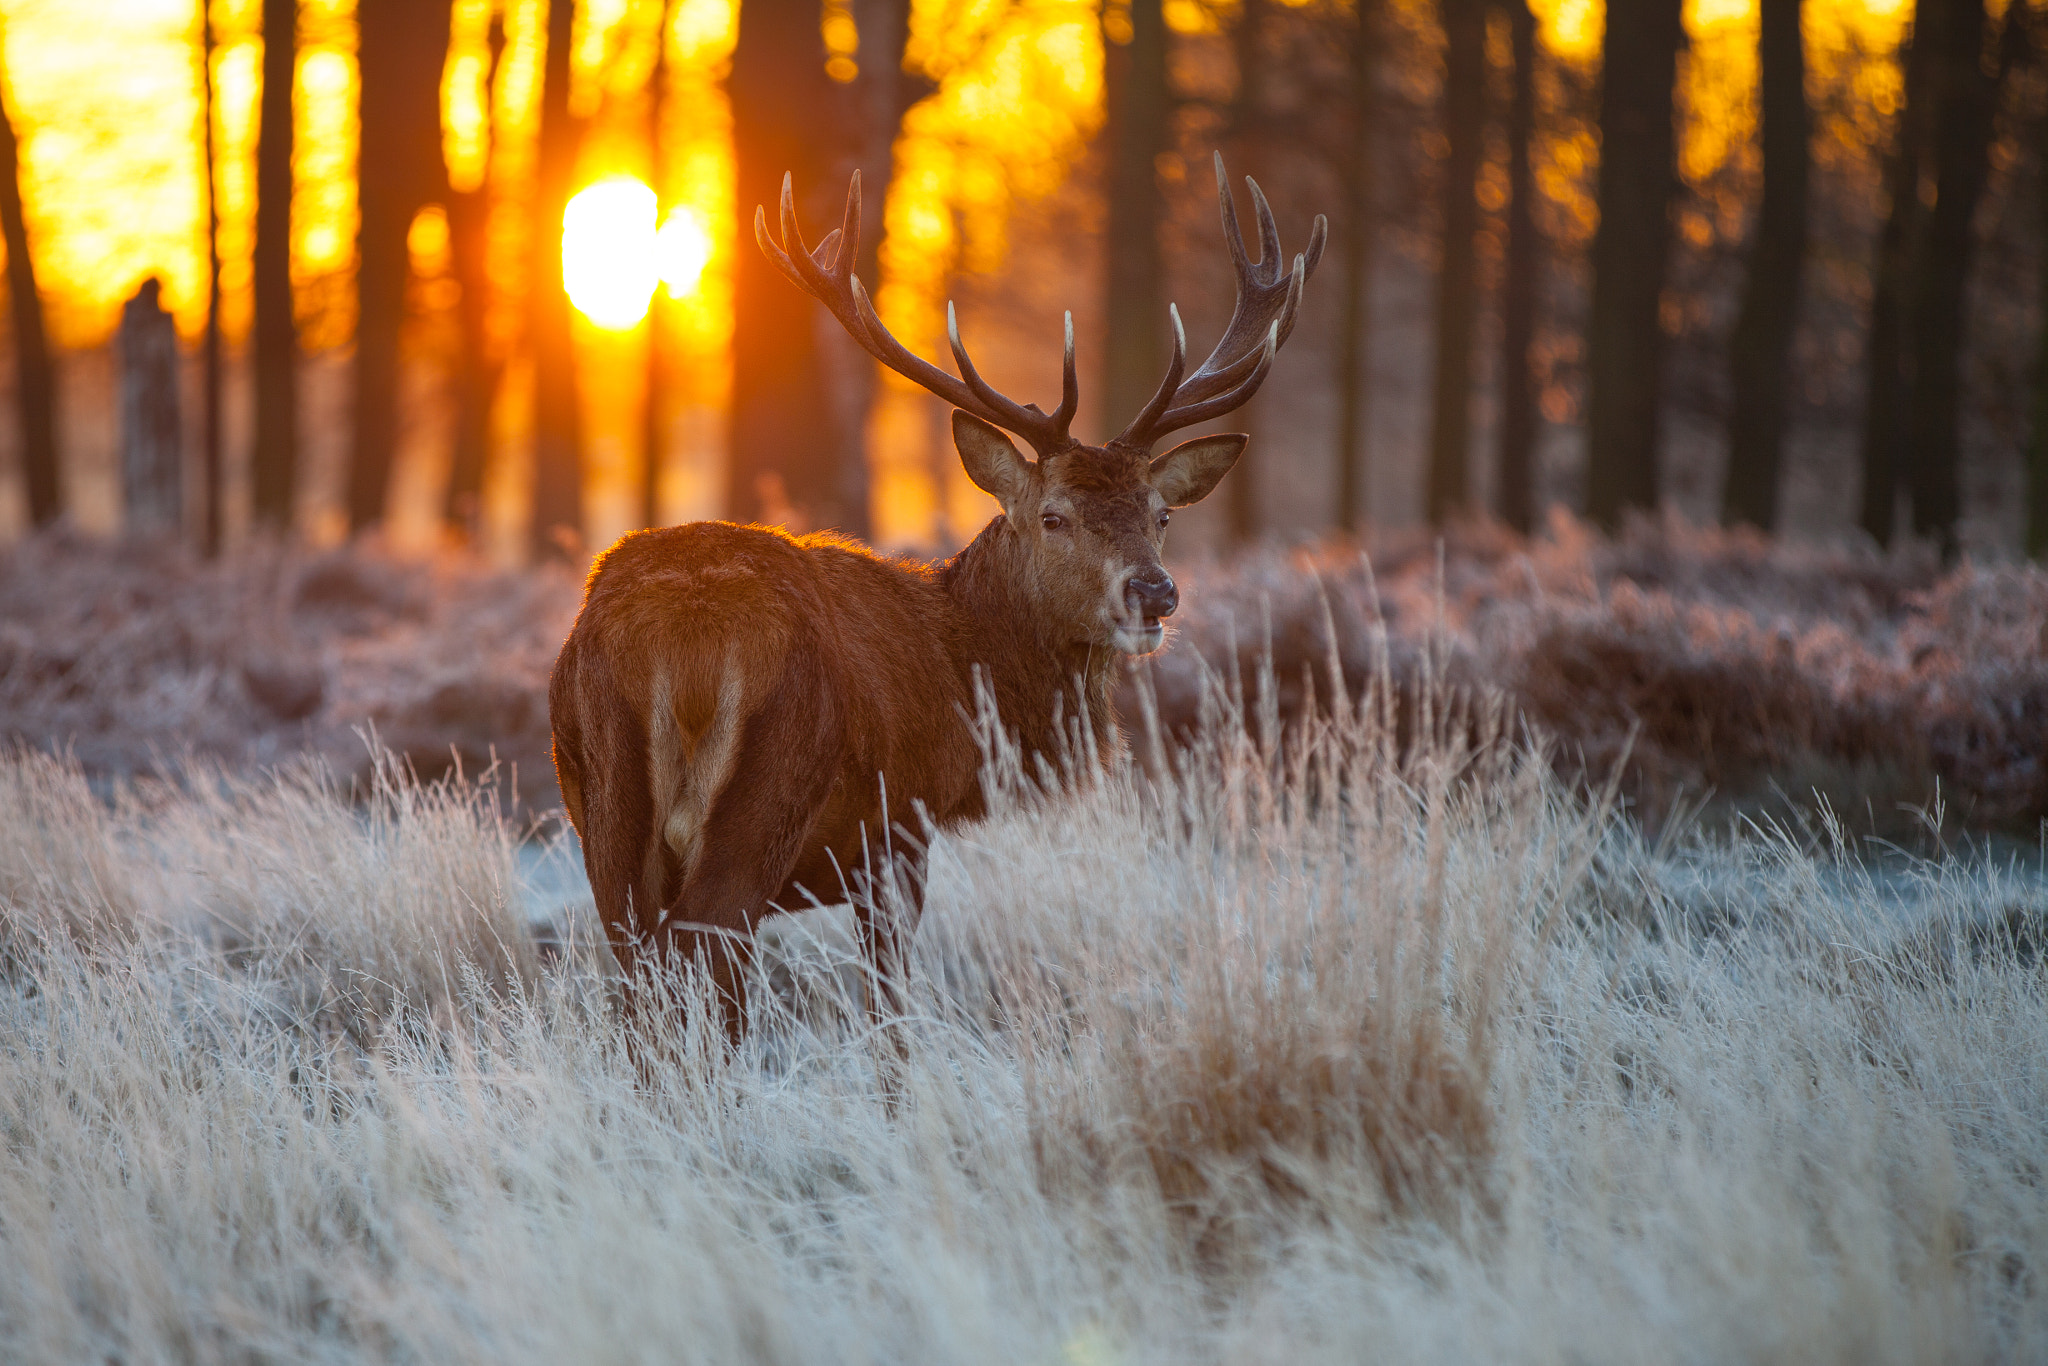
608, 252
681, 251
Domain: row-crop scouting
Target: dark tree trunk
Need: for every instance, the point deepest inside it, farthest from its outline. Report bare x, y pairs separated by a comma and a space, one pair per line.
1457, 286
557, 429
35, 378
1248, 123
211, 492
2037, 451
655, 411
469, 222
403, 47
786, 449
1888, 393
1518, 285
1962, 144
1760, 360
879, 97
1361, 172
1624, 335
273, 478
152, 427
885, 93
1135, 345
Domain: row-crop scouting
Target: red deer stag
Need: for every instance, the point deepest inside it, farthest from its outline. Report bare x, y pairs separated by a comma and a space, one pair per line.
738, 712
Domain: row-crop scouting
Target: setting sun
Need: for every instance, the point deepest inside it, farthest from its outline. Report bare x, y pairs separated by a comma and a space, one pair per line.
608, 252
681, 251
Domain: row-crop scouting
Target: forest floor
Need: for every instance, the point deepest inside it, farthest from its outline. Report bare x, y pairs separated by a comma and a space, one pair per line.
1519, 1051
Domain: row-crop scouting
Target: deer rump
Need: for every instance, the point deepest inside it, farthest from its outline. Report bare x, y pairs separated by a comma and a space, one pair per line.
722, 711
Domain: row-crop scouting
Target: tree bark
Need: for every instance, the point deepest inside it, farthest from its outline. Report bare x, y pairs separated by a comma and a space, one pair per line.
879, 96
1135, 345
655, 410
469, 222
273, 477
1961, 147
2037, 451
1888, 392
35, 376
1631, 248
1249, 128
1361, 221
1519, 284
211, 490
403, 46
1457, 292
557, 427
1760, 359
786, 449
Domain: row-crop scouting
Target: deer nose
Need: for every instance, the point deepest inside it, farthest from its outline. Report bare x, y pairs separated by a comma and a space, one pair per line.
1153, 594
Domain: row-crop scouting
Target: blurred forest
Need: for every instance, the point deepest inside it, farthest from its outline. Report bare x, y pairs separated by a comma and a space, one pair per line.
481, 272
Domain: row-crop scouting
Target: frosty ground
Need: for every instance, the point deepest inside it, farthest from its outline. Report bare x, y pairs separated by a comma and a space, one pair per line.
1358, 1020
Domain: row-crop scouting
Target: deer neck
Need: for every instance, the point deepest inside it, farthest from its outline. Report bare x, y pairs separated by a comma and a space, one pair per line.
1040, 681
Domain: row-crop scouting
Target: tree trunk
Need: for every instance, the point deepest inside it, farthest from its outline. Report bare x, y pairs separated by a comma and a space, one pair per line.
1760, 359
1518, 285
2037, 452
1962, 143
655, 410
1457, 291
211, 491
786, 449
1624, 334
469, 222
1888, 392
404, 45
152, 430
1135, 345
35, 377
1248, 124
878, 98
273, 477
557, 429
1361, 171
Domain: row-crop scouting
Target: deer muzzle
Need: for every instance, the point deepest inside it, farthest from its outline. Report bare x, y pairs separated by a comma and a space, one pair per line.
1151, 596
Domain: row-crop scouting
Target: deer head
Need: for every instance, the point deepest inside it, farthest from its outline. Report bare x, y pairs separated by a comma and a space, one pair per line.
1085, 524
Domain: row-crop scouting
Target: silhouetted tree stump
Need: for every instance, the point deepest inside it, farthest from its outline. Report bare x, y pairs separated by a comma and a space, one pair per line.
152, 444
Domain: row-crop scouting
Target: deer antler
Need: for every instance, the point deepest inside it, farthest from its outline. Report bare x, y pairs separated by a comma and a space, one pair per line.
827, 276
1268, 293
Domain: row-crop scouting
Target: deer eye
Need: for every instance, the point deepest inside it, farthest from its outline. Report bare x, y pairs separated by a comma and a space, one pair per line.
1164, 517
1052, 521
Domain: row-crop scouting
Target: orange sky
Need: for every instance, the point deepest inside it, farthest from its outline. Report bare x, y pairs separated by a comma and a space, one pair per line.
108, 104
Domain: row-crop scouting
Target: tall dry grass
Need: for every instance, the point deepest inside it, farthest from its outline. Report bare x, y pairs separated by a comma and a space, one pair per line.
1303, 1047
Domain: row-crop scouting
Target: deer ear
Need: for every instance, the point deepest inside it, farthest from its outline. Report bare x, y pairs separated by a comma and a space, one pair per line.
1190, 471
992, 462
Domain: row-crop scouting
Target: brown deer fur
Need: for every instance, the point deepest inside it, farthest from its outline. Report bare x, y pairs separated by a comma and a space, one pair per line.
744, 718
734, 703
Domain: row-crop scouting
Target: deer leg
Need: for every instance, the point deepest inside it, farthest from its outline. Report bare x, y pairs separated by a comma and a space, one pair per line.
756, 827
600, 762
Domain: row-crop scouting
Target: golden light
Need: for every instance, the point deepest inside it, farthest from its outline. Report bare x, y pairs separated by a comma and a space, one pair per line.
681, 251
608, 254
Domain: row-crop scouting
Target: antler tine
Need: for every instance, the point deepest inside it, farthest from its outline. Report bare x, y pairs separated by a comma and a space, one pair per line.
1270, 257
965, 364
1237, 396
1141, 430
1070, 387
1233, 235
1269, 295
827, 275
